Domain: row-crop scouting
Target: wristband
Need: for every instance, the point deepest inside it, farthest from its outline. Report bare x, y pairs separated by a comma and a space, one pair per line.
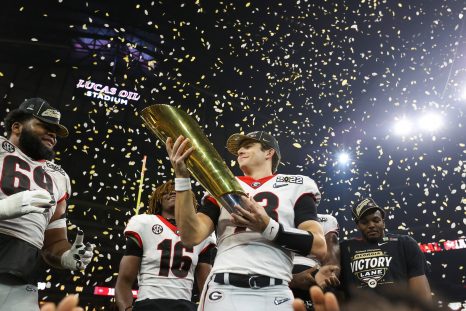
295, 240
182, 184
270, 232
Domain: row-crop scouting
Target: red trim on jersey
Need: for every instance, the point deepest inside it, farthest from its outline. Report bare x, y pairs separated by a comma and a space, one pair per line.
168, 224
249, 180
136, 236
212, 200
64, 197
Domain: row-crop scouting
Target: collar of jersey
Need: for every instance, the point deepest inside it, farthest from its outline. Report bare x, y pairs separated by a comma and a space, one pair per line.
249, 180
168, 224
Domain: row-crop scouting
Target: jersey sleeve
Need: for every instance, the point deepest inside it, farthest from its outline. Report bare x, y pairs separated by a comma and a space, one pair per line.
310, 186
415, 259
132, 247
210, 207
331, 225
135, 229
64, 188
208, 248
304, 209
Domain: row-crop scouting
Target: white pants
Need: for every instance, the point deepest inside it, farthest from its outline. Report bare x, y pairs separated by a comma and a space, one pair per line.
18, 297
216, 297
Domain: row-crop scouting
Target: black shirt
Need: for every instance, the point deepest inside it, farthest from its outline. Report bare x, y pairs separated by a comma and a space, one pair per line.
378, 265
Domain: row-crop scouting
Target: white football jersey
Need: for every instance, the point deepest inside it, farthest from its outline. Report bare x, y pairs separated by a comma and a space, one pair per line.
243, 251
167, 266
329, 224
18, 173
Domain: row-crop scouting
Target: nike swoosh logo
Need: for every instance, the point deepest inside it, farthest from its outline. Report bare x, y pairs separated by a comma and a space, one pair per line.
279, 301
380, 244
279, 186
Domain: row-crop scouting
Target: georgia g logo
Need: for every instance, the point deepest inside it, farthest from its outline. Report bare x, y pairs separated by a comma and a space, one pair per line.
157, 229
216, 296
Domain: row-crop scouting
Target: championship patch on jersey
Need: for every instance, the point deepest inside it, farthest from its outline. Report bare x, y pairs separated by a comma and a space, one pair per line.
293, 179
8, 147
50, 166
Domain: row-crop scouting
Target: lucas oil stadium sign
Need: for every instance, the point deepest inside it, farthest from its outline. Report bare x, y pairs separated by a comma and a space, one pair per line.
107, 93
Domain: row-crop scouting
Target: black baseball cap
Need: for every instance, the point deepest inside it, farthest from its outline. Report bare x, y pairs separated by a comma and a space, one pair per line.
234, 142
42, 110
364, 206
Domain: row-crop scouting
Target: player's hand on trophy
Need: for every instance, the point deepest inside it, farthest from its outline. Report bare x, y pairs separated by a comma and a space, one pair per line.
178, 152
250, 215
327, 276
79, 255
25, 202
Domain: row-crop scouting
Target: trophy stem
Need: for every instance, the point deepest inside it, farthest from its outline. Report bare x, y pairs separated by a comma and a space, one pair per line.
229, 200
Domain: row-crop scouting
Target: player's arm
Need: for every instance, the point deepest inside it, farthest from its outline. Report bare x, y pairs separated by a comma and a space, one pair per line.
333, 249
194, 227
419, 285
317, 246
55, 237
57, 251
127, 273
329, 272
202, 272
416, 266
305, 218
308, 238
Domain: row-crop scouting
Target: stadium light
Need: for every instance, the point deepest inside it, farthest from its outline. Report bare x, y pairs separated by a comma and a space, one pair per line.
431, 122
402, 126
343, 158
463, 93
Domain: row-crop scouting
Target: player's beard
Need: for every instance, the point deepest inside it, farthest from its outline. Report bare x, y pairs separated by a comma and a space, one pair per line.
376, 238
32, 146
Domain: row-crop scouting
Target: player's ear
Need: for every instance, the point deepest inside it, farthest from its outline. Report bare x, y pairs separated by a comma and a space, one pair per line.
270, 153
16, 128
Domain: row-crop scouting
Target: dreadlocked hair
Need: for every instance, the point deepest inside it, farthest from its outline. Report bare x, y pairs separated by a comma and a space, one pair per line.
155, 200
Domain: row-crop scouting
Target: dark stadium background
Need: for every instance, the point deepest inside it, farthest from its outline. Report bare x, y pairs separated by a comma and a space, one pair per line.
323, 76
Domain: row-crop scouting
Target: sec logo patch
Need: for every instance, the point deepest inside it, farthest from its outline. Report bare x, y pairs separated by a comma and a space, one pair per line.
157, 229
7, 146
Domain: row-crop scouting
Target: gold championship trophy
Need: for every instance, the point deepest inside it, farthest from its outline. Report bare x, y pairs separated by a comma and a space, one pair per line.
205, 164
